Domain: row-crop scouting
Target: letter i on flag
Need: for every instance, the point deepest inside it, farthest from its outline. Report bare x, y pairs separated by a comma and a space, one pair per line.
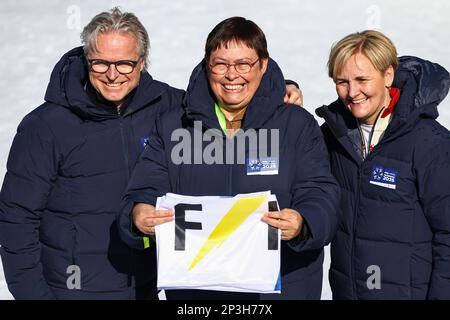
218, 243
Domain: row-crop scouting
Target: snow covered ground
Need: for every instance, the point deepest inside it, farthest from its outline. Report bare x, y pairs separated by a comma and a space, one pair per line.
35, 34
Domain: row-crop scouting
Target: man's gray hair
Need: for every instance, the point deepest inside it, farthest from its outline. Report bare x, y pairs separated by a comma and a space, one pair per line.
116, 21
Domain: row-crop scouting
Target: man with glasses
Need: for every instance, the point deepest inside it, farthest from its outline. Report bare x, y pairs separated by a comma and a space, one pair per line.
69, 165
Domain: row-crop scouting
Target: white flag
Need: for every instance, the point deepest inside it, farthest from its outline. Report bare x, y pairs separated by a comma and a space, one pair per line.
219, 243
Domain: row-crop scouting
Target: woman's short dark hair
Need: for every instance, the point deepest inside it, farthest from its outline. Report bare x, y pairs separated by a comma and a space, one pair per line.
237, 29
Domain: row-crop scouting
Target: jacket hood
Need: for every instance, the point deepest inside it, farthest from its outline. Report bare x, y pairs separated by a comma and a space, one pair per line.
423, 85
69, 86
199, 100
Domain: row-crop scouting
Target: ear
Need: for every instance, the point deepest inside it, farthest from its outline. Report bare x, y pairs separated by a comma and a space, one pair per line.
141, 65
389, 77
265, 62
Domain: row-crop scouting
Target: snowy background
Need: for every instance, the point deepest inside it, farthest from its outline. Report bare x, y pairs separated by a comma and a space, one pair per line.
35, 34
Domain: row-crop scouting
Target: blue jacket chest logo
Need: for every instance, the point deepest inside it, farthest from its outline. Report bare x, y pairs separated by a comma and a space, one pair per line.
384, 177
145, 141
263, 166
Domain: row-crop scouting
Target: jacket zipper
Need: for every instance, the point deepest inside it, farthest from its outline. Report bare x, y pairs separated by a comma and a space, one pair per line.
355, 216
368, 158
131, 281
366, 153
124, 146
230, 180
230, 168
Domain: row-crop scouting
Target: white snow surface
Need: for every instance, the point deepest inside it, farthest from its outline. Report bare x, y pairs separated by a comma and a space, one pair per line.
35, 34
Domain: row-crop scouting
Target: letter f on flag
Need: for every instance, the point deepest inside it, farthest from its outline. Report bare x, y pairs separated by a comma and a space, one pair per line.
238, 213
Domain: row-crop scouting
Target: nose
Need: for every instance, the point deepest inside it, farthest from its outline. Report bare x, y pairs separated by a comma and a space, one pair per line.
112, 72
231, 73
353, 89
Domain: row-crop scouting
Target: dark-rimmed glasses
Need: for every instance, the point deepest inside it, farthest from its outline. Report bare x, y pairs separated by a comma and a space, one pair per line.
240, 67
122, 66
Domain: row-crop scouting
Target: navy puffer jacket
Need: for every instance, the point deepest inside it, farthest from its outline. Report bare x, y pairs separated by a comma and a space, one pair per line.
393, 239
303, 182
67, 170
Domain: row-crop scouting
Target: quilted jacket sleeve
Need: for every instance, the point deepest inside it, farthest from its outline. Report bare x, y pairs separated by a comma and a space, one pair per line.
31, 173
316, 192
432, 171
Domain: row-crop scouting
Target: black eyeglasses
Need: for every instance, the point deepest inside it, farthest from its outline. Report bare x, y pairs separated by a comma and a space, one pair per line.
240, 67
122, 66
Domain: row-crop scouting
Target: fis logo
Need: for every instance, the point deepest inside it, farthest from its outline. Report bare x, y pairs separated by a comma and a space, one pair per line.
224, 229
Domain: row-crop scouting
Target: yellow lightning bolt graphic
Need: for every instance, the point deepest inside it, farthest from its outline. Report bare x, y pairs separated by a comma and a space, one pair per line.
229, 223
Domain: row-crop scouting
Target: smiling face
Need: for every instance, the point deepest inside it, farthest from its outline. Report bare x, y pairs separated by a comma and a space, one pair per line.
363, 89
234, 91
112, 85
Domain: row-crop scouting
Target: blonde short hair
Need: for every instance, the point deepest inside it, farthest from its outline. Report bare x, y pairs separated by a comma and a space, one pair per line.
378, 48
